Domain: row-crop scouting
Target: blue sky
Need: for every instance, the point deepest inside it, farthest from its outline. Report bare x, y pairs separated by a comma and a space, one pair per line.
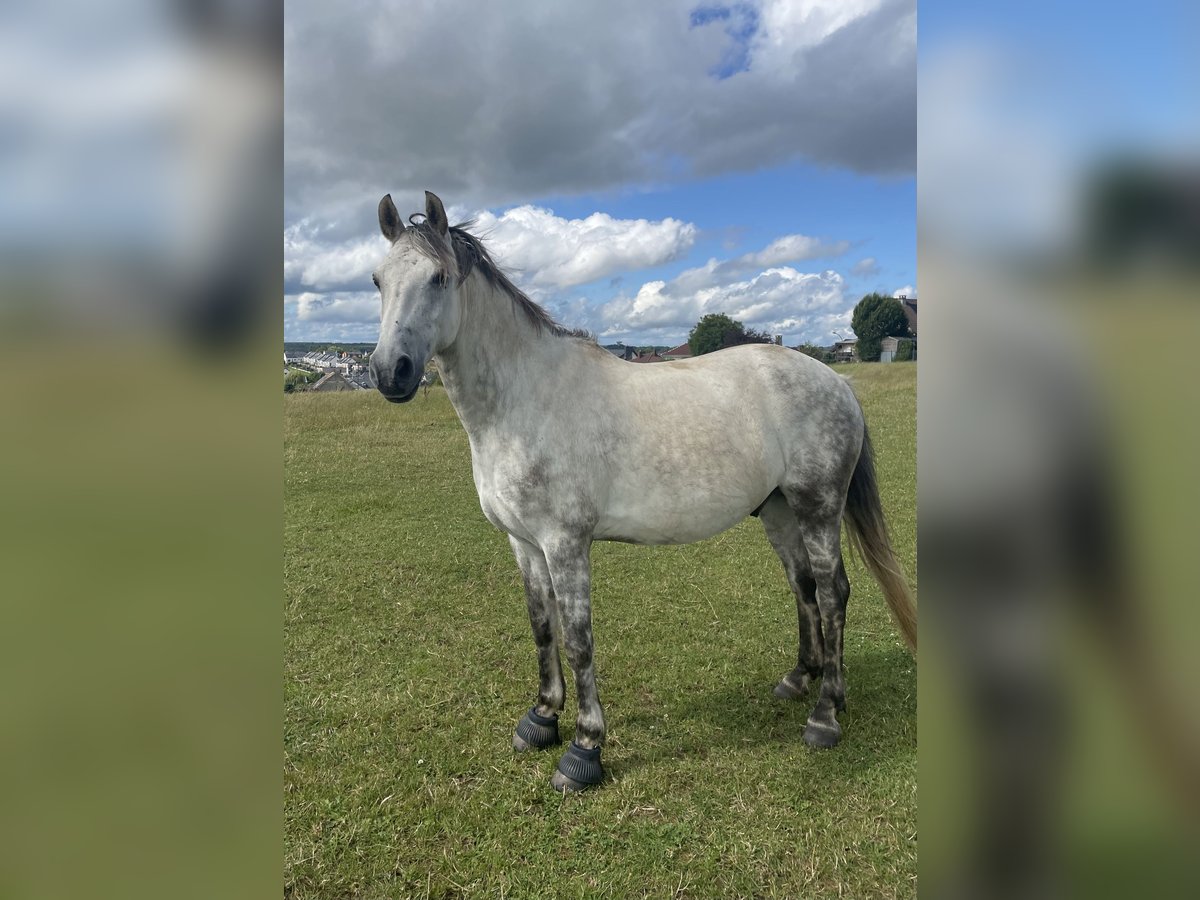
748, 210
1106, 69
635, 166
744, 212
1021, 105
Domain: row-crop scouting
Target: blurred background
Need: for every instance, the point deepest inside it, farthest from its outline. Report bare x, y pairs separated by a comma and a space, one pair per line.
140, 277
1059, 253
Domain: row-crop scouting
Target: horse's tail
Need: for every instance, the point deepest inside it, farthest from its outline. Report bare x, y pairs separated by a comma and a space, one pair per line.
869, 536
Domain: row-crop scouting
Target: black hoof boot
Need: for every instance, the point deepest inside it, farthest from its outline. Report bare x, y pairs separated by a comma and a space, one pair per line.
793, 687
578, 769
536, 732
822, 734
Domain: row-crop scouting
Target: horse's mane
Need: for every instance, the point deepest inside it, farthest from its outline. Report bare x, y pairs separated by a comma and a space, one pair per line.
467, 254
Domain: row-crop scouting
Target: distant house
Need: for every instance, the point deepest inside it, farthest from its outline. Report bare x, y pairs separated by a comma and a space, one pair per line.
683, 351
651, 357
889, 347
844, 350
334, 381
621, 350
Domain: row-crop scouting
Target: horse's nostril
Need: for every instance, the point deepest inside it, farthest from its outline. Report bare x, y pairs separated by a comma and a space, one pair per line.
404, 370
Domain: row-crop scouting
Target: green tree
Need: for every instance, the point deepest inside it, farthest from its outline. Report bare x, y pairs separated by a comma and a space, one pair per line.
298, 380
875, 317
716, 331
817, 353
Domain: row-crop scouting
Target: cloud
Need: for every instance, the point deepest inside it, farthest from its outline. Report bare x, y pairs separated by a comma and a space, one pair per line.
777, 299
786, 249
545, 250
792, 247
489, 104
907, 291
754, 288
540, 249
865, 268
311, 261
492, 105
350, 309
551, 255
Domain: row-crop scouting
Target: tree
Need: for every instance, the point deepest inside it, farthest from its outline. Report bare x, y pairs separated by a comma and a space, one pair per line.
875, 317
716, 331
298, 380
818, 353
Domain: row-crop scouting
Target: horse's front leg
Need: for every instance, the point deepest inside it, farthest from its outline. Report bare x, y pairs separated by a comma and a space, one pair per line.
570, 571
538, 729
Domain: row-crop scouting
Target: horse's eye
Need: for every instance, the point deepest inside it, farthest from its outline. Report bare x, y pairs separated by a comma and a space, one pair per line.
375, 278
438, 279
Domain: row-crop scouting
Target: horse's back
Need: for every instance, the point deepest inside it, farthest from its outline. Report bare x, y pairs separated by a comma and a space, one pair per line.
764, 385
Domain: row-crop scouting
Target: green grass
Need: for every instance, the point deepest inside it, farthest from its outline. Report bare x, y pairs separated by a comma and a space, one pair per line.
408, 661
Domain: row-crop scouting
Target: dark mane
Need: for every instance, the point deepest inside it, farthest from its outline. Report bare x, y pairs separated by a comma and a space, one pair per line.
470, 255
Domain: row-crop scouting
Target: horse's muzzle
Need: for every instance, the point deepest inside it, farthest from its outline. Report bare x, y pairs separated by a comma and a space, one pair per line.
397, 383
403, 398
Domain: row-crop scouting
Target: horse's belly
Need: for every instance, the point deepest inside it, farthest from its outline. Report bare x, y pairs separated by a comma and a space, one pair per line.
664, 529
699, 481
657, 517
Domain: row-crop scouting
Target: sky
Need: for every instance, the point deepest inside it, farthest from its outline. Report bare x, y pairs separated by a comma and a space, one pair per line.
633, 166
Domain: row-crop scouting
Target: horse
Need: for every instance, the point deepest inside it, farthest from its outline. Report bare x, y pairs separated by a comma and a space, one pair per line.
572, 445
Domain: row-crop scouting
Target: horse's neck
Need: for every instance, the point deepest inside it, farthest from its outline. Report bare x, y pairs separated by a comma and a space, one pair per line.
487, 368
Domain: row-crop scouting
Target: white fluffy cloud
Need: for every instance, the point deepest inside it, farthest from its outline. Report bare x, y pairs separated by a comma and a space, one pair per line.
787, 249
541, 250
778, 299
753, 288
788, 25
907, 291
549, 255
545, 250
315, 263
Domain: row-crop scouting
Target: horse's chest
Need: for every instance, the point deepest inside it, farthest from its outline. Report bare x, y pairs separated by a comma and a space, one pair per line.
497, 511
508, 503
522, 497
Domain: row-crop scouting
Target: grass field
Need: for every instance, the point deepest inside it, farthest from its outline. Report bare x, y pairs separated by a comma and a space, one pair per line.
408, 661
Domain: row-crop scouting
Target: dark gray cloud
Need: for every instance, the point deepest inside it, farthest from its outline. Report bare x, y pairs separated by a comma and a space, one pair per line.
498, 103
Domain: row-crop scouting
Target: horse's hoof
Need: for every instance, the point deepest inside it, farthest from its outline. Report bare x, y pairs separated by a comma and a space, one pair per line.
567, 785
822, 735
536, 732
578, 769
789, 689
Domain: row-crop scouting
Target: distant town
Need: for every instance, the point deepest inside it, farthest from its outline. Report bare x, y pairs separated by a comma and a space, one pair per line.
314, 366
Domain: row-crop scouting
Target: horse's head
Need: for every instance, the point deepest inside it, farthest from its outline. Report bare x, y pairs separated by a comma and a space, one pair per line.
419, 288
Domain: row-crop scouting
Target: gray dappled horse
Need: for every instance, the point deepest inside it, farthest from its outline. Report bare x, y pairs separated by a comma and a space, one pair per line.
571, 445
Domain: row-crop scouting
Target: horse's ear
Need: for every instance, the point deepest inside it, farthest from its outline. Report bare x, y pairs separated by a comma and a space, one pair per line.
389, 219
435, 214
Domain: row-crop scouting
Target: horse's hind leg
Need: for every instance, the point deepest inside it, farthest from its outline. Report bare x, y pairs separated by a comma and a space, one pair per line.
783, 531
823, 540
538, 729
